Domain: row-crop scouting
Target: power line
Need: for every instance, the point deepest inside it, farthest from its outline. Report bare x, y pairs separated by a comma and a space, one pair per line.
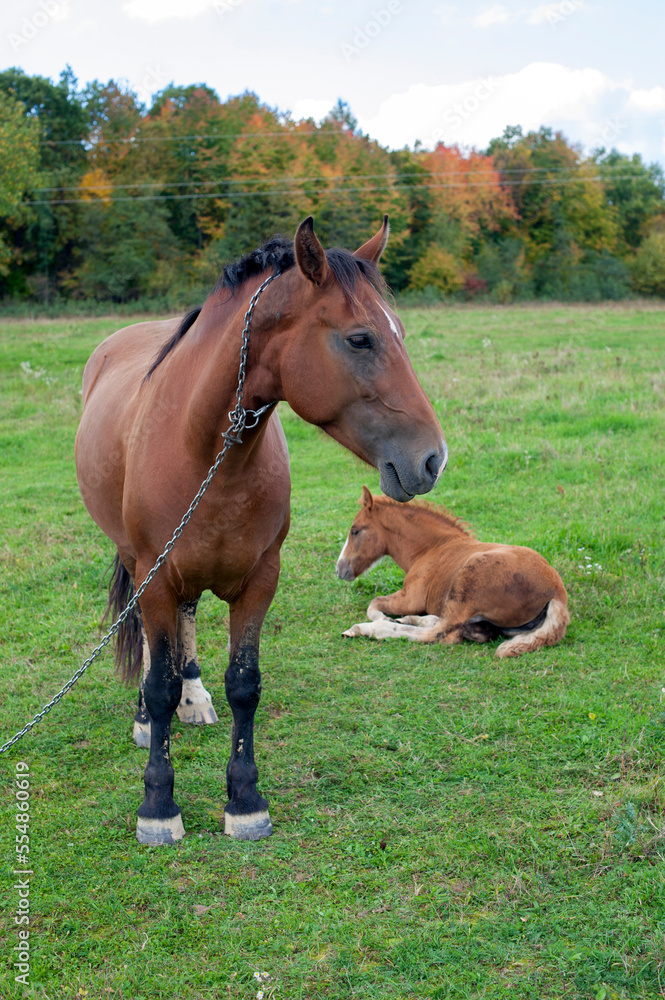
134, 139
302, 179
226, 195
295, 133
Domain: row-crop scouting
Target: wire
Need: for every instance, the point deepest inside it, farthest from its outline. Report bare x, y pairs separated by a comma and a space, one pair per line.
133, 139
296, 132
225, 195
300, 179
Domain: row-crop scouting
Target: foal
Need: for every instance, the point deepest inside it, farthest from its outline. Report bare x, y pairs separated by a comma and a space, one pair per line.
455, 586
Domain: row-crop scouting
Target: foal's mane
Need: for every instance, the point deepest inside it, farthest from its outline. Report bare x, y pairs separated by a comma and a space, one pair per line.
429, 510
278, 253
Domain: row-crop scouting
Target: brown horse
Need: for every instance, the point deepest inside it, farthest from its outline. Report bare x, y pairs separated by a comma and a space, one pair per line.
156, 398
455, 586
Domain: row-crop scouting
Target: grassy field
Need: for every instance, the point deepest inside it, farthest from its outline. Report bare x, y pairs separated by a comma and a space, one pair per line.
446, 824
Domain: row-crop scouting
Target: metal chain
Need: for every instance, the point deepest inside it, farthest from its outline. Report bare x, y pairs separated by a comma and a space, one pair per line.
239, 418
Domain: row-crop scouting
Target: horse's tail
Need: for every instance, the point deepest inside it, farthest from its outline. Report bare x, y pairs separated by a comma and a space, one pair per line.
129, 638
550, 632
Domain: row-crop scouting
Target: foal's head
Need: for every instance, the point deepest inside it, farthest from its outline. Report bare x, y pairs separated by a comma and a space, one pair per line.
343, 365
366, 543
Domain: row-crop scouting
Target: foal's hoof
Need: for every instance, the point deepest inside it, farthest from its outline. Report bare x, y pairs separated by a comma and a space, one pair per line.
159, 831
141, 734
196, 704
249, 827
352, 632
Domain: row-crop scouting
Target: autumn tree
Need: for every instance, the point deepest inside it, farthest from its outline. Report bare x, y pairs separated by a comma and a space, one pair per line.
563, 217
19, 165
635, 191
45, 235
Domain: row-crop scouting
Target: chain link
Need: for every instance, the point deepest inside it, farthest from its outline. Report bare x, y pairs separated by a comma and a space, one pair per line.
239, 418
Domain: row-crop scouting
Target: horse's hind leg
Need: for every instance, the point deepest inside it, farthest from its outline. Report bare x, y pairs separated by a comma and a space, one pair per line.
195, 704
141, 734
159, 820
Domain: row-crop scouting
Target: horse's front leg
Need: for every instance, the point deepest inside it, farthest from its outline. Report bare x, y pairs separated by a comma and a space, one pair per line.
246, 815
195, 704
159, 820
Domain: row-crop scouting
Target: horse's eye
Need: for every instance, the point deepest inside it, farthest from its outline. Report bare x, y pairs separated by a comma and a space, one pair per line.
361, 341
355, 531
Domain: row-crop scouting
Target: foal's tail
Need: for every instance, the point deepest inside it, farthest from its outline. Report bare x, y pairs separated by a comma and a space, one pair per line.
550, 632
129, 638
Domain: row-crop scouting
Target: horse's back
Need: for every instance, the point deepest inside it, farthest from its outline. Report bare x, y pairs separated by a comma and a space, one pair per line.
112, 382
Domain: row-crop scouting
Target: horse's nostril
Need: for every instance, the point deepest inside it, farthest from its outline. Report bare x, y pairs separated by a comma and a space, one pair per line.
435, 463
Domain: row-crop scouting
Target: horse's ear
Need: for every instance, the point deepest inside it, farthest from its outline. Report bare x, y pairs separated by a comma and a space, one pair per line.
310, 255
373, 249
367, 500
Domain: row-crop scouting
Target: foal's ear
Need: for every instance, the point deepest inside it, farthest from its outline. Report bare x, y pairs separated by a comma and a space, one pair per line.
310, 255
373, 249
367, 500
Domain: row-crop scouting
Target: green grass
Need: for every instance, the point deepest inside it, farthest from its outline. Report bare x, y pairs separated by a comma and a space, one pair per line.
446, 824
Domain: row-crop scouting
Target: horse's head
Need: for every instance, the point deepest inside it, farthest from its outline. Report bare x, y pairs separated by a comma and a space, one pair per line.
345, 367
366, 543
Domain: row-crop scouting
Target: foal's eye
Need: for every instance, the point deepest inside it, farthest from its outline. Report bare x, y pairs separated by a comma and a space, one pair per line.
361, 341
355, 531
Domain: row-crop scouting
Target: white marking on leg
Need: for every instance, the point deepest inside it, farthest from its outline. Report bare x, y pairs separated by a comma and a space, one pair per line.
146, 654
373, 613
252, 827
422, 621
159, 831
141, 735
196, 704
187, 634
386, 628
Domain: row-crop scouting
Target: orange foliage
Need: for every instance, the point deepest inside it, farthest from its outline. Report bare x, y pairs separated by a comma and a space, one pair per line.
467, 188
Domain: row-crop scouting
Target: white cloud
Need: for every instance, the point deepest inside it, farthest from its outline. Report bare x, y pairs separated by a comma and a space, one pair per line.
310, 108
161, 10
649, 100
497, 14
472, 113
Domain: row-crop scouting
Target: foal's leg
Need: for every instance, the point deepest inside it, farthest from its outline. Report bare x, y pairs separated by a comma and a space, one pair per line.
389, 629
159, 820
407, 601
195, 704
422, 621
246, 815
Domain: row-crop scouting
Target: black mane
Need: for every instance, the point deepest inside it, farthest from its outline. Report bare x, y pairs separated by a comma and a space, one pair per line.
278, 254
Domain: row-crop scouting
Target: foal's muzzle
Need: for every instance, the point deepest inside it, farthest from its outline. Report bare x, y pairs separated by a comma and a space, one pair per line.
344, 570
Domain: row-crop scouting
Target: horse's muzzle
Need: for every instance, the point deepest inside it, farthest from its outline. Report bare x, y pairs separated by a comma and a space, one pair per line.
402, 481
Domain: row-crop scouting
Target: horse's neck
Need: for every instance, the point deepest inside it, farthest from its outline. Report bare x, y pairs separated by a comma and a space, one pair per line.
411, 533
213, 364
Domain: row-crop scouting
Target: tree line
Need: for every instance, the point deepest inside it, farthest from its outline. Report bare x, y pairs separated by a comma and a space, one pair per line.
104, 199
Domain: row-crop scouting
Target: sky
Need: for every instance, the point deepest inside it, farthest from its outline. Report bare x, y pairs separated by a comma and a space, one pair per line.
411, 70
